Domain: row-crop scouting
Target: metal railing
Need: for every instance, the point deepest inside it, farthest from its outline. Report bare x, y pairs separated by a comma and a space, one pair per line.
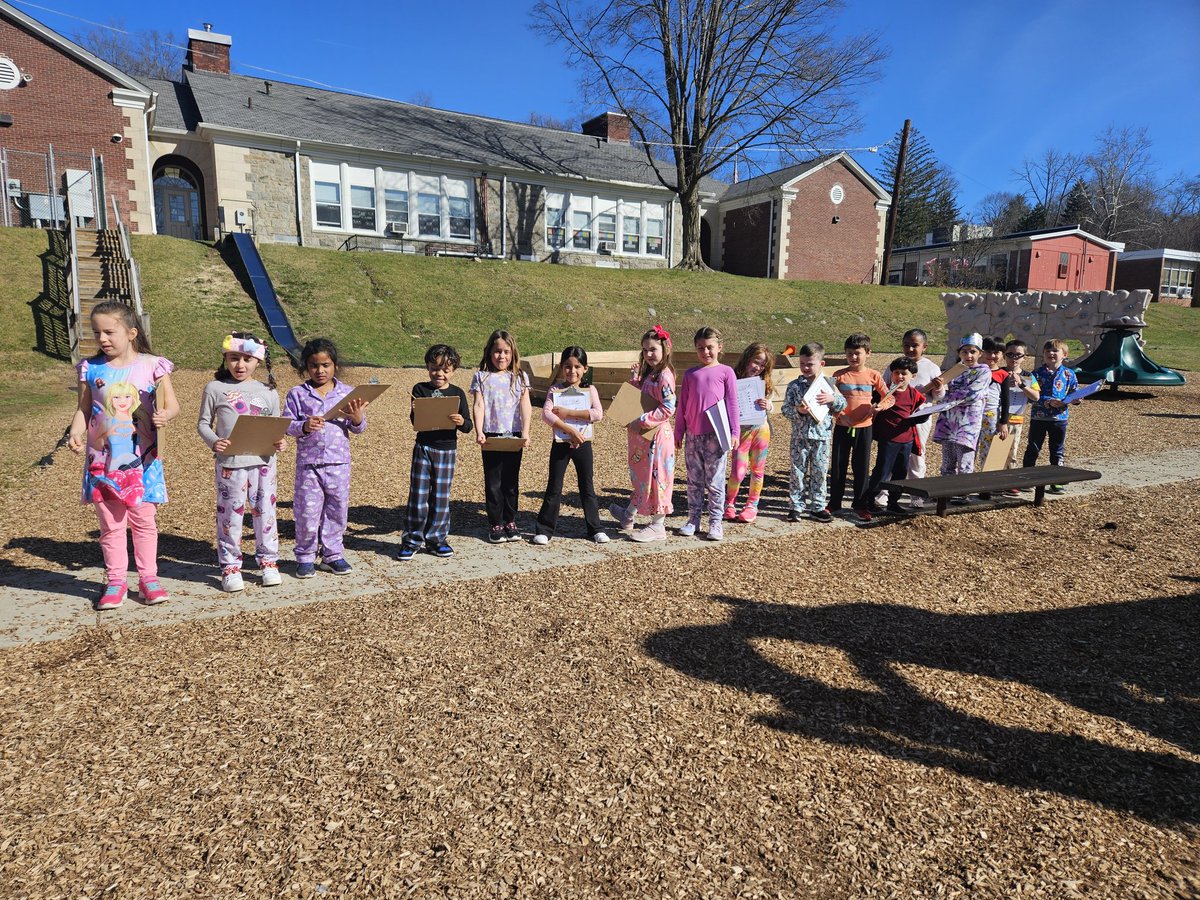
135, 288
73, 281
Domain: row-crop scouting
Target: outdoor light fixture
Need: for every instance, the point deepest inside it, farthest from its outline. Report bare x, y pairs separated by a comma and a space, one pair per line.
836, 219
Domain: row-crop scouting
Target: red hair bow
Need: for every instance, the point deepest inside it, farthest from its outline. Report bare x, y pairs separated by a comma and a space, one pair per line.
662, 334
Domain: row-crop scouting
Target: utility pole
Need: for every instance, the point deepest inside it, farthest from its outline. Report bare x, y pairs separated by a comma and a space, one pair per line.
897, 183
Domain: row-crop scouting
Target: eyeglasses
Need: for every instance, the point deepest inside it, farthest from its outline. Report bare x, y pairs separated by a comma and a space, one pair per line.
1015, 355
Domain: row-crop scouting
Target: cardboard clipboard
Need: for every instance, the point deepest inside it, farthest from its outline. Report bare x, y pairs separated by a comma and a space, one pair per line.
504, 445
433, 413
256, 435
629, 405
997, 455
953, 372
364, 392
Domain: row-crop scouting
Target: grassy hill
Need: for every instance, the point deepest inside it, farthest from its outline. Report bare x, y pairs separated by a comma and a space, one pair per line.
385, 309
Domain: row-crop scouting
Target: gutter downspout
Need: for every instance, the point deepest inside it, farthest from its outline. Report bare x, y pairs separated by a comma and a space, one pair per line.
671, 233
150, 171
504, 217
299, 214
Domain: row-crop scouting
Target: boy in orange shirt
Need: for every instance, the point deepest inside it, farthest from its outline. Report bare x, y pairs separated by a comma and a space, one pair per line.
862, 387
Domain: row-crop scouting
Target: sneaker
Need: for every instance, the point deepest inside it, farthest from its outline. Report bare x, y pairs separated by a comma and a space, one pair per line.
730, 513
960, 501
305, 570
621, 514
716, 532
151, 592
231, 580
600, 537
794, 515
916, 503
496, 535
687, 529
985, 496
442, 550
541, 539
823, 516
270, 575
406, 553
1013, 492
336, 566
895, 509
511, 533
1056, 489
650, 533
748, 515
864, 515
113, 596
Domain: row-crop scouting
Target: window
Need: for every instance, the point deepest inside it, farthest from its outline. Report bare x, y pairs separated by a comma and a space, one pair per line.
1178, 281
654, 229
556, 221
395, 206
581, 230
429, 206
1064, 262
606, 229
329, 203
631, 234
458, 199
362, 207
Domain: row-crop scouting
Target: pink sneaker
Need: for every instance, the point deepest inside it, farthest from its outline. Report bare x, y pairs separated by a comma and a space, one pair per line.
651, 532
749, 514
730, 513
113, 596
152, 592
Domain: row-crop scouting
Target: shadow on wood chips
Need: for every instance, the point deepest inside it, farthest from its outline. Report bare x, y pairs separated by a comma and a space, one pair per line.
1132, 661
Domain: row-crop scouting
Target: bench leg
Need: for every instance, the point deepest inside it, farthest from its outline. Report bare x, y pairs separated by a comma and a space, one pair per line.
941, 507
1039, 495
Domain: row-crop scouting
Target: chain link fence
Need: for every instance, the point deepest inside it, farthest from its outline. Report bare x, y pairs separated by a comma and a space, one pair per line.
41, 189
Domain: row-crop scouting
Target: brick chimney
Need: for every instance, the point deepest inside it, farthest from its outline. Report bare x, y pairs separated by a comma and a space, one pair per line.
208, 51
610, 126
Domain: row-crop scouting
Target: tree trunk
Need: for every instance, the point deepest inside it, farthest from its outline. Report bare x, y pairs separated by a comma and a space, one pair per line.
692, 259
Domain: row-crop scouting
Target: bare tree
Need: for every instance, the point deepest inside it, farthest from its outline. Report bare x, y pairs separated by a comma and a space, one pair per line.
708, 80
1121, 171
542, 120
142, 54
1048, 180
1178, 225
421, 98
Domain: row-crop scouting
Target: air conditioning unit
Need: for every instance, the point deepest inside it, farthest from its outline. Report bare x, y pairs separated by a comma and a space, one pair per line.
397, 228
609, 247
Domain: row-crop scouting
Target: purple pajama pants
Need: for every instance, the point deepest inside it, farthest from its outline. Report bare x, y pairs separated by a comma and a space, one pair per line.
321, 505
252, 488
705, 474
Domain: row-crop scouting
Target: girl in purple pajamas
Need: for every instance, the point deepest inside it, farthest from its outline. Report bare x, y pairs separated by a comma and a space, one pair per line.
322, 497
242, 480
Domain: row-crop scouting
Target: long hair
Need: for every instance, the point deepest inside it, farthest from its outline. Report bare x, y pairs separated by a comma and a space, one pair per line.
123, 312
315, 346
568, 353
223, 374
514, 366
755, 349
708, 333
644, 368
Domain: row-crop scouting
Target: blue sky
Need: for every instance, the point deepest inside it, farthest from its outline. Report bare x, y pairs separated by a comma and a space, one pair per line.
988, 83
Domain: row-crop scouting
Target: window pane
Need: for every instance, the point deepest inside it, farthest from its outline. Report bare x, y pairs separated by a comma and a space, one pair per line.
654, 237
329, 203
460, 217
581, 224
606, 225
328, 192
631, 233
429, 216
395, 205
362, 207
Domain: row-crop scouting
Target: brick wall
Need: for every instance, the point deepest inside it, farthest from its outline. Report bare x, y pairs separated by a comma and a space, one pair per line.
747, 240
1139, 273
69, 106
818, 250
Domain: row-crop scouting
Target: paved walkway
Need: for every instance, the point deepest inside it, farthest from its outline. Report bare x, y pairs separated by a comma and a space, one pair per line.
45, 606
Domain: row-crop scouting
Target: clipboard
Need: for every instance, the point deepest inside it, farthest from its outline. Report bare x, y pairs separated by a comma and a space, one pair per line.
629, 405
256, 435
504, 445
997, 455
364, 392
718, 418
953, 372
433, 413
577, 401
1086, 391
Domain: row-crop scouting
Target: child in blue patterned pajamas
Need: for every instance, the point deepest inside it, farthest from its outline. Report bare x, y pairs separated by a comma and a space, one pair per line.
811, 440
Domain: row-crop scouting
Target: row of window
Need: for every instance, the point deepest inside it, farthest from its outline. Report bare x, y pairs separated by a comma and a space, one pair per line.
1178, 281
378, 200
597, 224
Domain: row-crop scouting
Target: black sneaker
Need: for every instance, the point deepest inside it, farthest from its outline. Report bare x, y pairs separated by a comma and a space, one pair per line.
511, 533
1056, 489
406, 553
441, 550
496, 535
823, 516
794, 515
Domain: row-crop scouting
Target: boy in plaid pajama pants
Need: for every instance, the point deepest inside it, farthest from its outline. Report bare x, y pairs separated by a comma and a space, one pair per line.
434, 456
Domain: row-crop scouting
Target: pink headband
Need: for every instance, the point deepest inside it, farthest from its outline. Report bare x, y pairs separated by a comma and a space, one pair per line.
248, 346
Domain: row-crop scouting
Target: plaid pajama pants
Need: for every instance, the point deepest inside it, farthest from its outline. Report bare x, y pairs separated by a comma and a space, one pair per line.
429, 495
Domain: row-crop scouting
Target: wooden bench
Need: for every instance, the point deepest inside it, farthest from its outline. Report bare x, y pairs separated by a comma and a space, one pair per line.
943, 487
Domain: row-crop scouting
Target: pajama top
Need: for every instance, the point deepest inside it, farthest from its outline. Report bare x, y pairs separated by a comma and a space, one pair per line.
1054, 385
501, 400
329, 445
702, 387
121, 456
961, 423
803, 424
221, 404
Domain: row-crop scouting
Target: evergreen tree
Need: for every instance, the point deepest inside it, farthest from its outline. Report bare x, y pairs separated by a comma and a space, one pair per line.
1078, 207
927, 198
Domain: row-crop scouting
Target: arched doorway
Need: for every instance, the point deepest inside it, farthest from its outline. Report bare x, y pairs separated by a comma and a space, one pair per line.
178, 207
706, 242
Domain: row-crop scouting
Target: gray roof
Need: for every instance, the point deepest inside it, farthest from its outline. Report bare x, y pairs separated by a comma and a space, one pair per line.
176, 109
310, 114
771, 180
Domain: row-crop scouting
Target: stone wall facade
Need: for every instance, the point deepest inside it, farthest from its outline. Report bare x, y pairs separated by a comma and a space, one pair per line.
272, 194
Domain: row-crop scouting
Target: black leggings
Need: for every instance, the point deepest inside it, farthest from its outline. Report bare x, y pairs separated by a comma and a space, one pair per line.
562, 453
853, 446
501, 484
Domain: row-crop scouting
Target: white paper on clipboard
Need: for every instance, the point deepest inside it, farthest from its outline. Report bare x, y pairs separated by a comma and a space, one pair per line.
815, 409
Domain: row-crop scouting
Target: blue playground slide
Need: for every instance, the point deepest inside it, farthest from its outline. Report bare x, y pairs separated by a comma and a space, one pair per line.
264, 296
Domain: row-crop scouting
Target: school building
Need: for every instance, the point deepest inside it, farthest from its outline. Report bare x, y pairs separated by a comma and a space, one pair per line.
217, 152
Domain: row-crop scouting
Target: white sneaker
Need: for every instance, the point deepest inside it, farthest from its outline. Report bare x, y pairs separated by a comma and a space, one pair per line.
916, 503
270, 576
600, 537
231, 581
687, 529
655, 531
541, 539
